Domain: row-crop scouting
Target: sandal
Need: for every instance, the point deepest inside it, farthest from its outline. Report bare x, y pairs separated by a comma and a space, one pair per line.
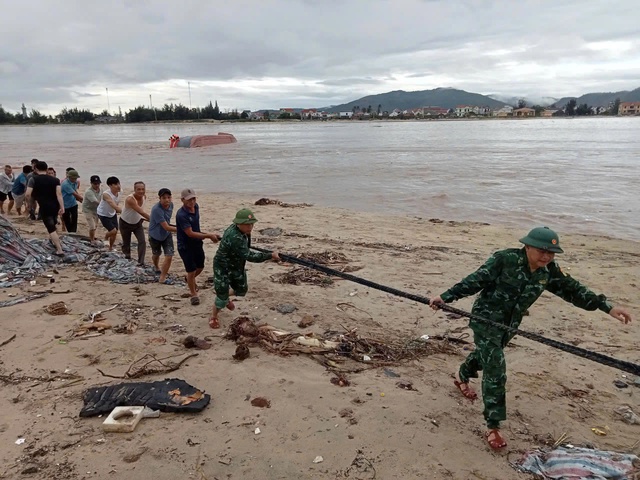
231, 306
214, 323
494, 439
466, 390
195, 300
168, 281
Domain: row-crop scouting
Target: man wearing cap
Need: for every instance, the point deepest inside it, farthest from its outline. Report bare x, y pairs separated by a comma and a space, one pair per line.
90, 203
229, 262
71, 197
190, 240
508, 283
160, 229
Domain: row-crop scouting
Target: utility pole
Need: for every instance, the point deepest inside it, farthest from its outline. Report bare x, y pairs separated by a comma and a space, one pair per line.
155, 114
189, 83
108, 104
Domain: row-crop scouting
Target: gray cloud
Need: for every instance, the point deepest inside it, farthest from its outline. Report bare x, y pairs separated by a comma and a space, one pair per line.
256, 55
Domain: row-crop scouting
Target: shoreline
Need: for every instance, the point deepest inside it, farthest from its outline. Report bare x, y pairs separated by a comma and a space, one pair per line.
549, 392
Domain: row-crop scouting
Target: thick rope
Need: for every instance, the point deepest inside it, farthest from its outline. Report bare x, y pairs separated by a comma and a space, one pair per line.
580, 352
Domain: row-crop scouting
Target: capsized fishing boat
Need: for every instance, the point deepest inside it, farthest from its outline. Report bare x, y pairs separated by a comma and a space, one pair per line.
201, 140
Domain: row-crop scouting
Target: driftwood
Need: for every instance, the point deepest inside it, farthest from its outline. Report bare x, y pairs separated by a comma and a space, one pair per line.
7, 341
337, 347
140, 367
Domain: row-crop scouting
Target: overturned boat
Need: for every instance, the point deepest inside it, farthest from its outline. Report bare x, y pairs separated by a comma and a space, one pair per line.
201, 140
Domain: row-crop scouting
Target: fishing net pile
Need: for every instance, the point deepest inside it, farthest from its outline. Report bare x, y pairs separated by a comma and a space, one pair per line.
23, 259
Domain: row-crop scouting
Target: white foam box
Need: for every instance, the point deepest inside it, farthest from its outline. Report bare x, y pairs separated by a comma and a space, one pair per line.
123, 419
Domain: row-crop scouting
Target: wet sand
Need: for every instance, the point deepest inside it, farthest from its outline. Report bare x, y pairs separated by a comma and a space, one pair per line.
387, 432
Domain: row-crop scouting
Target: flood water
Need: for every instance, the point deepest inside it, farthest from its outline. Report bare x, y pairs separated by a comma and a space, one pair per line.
575, 175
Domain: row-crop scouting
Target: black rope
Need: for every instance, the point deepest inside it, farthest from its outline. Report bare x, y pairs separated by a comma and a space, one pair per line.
580, 352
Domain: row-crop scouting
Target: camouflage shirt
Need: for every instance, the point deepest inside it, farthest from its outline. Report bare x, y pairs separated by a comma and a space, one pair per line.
508, 288
234, 251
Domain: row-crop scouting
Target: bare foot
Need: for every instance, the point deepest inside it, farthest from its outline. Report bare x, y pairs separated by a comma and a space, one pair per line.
231, 306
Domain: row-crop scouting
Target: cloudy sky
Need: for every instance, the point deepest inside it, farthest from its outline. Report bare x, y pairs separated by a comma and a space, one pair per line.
254, 54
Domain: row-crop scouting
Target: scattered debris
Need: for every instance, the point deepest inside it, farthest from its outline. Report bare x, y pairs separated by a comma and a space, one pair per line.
271, 232
600, 431
286, 308
150, 413
123, 419
129, 327
406, 386
28, 298
346, 413
299, 275
340, 380
134, 457
242, 353
306, 321
627, 415
140, 367
170, 395
85, 328
256, 431
176, 328
361, 467
318, 459
390, 373
58, 308
268, 201
578, 462
20, 441
261, 402
620, 384
91, 316
195, 342
336, 347
156, 341
9, 340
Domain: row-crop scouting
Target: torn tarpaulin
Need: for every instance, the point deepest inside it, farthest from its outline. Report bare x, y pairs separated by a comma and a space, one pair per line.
579, 463
169, 395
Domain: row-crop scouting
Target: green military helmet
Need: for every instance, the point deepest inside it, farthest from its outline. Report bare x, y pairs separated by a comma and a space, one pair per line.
244, 216
543, 238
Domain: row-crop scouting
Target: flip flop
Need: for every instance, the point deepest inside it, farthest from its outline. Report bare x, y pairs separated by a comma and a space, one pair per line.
466, 390
195, 300
231, 306
168, 281
494, 439
214, 323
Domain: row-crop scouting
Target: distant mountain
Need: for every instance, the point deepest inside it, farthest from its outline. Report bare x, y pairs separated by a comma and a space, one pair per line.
602, 99
530, 99
438, 97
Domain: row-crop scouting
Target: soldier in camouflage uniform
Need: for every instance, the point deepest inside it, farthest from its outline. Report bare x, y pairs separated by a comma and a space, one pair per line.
508, 283
229, 262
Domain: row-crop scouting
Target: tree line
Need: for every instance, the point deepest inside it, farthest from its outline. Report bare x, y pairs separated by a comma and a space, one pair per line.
179, 112
141, 113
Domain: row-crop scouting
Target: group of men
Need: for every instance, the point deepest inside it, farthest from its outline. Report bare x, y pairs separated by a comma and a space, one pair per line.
508, 283
58, 199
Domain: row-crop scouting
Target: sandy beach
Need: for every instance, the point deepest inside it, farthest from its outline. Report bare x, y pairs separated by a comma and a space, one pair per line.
369, 429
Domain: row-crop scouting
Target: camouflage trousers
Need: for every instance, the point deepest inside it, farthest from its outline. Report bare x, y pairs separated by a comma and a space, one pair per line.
488, 357
225, 279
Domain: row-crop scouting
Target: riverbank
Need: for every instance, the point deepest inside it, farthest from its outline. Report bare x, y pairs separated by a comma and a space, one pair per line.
372, 424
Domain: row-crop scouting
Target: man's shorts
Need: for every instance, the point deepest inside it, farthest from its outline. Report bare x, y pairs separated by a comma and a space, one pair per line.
193, 258
20, 199
50, 222
166, 245
92, 220
110, 223
3, 196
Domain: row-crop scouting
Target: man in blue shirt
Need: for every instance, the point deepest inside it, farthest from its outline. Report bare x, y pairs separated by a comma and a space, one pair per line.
160, 237
70, 197
190, 240
19, 189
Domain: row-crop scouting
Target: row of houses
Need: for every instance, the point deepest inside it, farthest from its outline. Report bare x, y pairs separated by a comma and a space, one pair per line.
460, 111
